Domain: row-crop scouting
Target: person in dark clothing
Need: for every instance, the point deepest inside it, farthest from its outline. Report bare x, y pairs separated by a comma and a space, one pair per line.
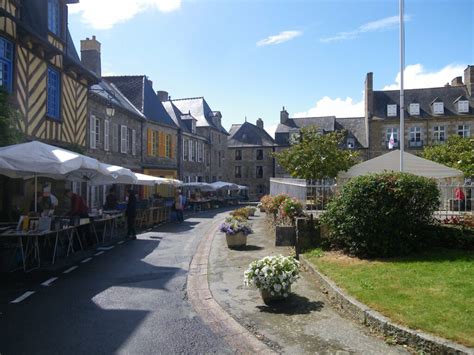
131, 213
39, 208
78, 206
111, 201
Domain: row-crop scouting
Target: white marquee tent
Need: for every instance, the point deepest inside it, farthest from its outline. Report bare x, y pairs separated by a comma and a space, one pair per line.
412, 164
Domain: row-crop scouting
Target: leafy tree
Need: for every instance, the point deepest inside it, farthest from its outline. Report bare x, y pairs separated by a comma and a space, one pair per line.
9, 134
456, 153
316, 155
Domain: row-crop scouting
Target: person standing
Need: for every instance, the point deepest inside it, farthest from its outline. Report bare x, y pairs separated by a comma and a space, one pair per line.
78, 206
179, 206
131, 213
111, 201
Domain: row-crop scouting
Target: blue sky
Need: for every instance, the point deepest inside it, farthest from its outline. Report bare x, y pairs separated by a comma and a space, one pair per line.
251, 57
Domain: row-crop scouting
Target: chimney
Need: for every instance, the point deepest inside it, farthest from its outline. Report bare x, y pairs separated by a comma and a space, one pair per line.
163, 95
260, 123
369, 95
90, 55
284, 116
469, 79
457, 81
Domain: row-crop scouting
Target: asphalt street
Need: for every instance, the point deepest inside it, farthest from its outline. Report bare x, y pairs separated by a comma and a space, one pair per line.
127, 299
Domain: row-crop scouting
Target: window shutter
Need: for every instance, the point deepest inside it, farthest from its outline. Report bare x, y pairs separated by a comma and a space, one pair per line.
106, 135
134, 142
92, 132
123, 139
172, 147
161, 144
149, 142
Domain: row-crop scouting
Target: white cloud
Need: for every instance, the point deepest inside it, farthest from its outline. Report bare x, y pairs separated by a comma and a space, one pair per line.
374, 26
271, 130
279, 38
334, 107
417, 77
105, 14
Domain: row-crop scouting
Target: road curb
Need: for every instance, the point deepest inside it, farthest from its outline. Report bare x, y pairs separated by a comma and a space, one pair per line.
363, 314
201, 299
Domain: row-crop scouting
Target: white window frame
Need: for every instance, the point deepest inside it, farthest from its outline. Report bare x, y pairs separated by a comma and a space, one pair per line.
415, 134
388, 133
414, 109
106, 135
439, 133
463, 106
391, 110
184, 149
464, 130
350, 143
438, 108
92, 137
123, 139
134, 142
190, 150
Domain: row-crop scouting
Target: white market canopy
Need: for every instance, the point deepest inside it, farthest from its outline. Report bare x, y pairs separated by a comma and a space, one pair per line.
30, 159
222, 185
412, 164
204, 186
241, 187
118, 175
148, 180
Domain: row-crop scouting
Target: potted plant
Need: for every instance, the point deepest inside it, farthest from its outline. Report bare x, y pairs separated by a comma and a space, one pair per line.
285, 230
241, 212
251, 210
236, 232
265, 203
273, 276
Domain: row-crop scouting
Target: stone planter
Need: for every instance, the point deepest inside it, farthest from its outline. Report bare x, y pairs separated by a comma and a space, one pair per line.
236, 240
269, 299
285, 236
252, 213
262, 209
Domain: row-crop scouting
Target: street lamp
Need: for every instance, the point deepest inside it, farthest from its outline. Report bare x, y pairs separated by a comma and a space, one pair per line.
110, 109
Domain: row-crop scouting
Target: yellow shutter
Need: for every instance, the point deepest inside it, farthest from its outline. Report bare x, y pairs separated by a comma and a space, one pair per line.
150, 141
162, 144
173, 144
156, 142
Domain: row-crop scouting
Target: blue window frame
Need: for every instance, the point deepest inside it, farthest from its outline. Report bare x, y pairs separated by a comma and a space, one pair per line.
6, 64
54, 17
54, 93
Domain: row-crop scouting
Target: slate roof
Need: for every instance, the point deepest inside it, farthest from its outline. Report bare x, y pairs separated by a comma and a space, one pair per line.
176, 116
139, 91
326, 123
111, 93
355, 127
248, 135
198, 108
448, 95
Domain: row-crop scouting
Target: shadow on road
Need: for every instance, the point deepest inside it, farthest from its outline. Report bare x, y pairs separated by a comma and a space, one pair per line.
293, 305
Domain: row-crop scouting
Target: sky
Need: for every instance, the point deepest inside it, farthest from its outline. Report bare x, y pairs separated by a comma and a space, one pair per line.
249, 58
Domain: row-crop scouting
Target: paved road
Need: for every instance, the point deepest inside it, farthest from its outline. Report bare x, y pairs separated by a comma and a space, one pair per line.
130, 299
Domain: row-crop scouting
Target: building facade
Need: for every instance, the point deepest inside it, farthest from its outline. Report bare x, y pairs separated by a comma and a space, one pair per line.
250, 160
42, 71
431, 114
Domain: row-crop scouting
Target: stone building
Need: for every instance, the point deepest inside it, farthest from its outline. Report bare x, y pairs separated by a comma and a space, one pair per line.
159, 134
288, 131
209, 126
431, 114
249, 158
193, 149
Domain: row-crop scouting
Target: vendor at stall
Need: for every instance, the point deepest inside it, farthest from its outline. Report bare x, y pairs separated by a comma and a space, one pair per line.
78, 206
111, 201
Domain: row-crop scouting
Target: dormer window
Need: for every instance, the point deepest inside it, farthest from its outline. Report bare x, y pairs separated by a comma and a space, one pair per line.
54, 17
350, 143
438, 108
414, 109
193, 126
463, 106
391, 110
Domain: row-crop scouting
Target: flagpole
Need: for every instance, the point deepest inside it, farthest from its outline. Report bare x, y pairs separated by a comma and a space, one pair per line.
402, 94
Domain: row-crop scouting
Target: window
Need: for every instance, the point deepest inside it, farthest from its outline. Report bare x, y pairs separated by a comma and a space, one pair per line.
414, 109
54, 18
220, 163
193, 151
259, 172
185, 149
190, 150
115, 137
238, 154
154, 143
6, 63
106, 135
438, 108
463, 106
208, 158
54, 93
391, 110
439, 133
93, 132
200, 151
123, 139
193, 126
168, 146
351, 143
259, 154
388, 135
415, 137
219, 136
134, 142
464, 131
238, 172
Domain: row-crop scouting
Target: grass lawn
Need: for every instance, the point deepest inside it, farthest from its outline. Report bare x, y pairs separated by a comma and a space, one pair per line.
432, 291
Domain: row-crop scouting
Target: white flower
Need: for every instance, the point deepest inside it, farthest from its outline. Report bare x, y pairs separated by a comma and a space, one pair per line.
285, 295
277, 287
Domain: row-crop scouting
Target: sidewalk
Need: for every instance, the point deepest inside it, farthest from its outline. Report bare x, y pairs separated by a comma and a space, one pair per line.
304, 324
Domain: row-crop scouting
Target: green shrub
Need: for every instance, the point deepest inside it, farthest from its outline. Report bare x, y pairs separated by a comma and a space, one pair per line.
381, 215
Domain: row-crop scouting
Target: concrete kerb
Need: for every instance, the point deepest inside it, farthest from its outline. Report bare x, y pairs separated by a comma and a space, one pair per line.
382, 325
220, 322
